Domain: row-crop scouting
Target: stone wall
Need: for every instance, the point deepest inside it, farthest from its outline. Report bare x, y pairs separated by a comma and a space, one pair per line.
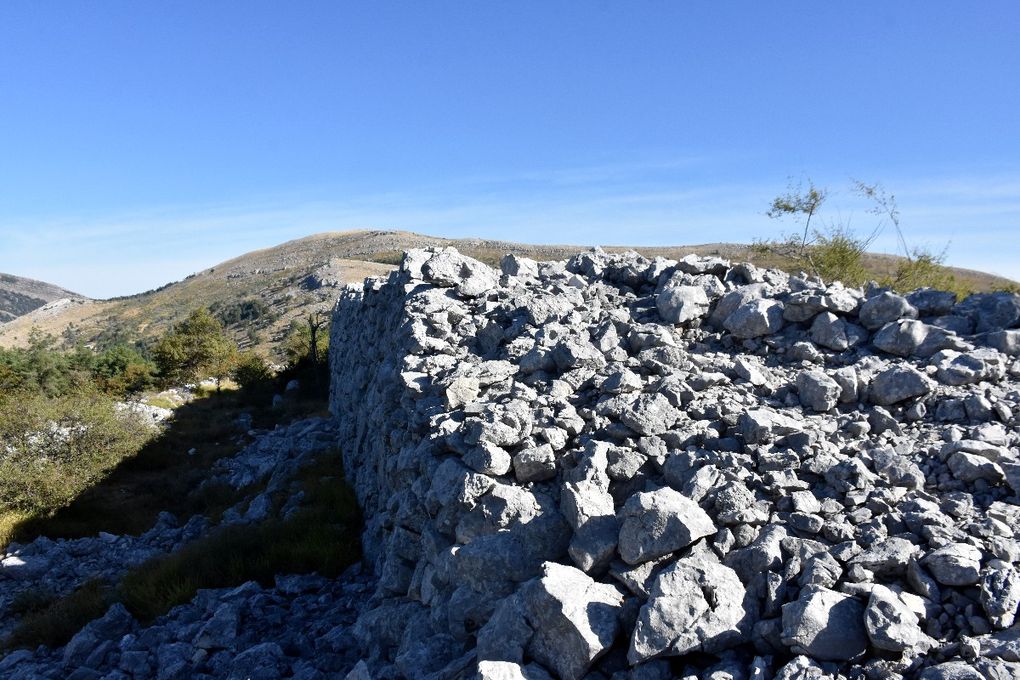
615, 467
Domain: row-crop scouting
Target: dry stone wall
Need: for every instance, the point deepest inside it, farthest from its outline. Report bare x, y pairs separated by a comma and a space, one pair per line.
615, 467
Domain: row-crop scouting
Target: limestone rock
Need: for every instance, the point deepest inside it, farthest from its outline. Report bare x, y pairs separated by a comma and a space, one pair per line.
656, 523
695, 604
891, 625
825, 625
681, 304
573, 617
879, 310
818, 391
897, 384
957, 564
755, 319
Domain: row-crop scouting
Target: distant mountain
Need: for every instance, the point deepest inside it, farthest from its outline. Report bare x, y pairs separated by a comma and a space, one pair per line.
259, 294
19, 296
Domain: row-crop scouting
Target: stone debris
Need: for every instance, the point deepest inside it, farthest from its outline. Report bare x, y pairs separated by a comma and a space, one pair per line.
622, 468
721, 471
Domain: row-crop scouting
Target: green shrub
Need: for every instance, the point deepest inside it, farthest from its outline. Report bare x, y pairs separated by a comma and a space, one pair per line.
251, 371
837, 255
31, 601
58, 447
925, 269
232, 313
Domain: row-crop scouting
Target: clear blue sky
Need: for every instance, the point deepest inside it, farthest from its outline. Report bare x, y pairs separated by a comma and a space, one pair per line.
142, 141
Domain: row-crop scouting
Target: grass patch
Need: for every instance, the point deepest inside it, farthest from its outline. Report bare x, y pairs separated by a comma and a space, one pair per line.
160, 402
322, 536
55, 621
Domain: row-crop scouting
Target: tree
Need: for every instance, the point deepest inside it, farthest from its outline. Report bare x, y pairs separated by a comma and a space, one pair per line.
195, 347
837, 252
799, 205
308, 341
251, 371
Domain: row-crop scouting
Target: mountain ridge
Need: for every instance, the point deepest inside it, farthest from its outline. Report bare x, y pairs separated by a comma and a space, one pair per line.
20, 295
259, 294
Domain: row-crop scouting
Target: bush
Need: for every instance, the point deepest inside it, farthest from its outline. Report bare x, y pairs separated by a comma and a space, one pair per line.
244, 310
55, 448
195, 347
925, 270
838, 255
251, 371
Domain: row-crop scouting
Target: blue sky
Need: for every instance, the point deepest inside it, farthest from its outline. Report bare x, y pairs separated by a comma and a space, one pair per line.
140, 142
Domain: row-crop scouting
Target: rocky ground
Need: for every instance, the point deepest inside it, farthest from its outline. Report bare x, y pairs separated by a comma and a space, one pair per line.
297, 628
616, 467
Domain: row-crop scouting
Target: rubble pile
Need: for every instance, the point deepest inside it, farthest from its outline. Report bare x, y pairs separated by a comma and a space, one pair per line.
616, 467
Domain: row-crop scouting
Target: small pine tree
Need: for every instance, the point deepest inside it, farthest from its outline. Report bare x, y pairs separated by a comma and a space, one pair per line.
197, 346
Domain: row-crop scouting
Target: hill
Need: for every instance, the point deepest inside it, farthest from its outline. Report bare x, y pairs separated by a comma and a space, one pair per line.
19, 296
259, 294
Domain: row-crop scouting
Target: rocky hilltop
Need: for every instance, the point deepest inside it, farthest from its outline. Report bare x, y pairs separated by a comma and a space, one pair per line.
19, 296
631, 468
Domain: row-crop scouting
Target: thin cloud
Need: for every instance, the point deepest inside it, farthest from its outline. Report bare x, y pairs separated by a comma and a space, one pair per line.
143, 249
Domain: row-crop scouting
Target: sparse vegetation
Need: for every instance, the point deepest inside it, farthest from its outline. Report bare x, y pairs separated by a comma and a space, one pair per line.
54, 621
231, 313
836, 252
321, 536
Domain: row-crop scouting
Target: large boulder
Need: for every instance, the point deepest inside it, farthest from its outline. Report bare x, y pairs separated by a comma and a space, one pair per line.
695, 604
468, 276
898, 383
891, 625
957, 564
656, 523
755, 319
818, 391
879, 310
681, 304
825, 625
574, 619
910, 337
836, 333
